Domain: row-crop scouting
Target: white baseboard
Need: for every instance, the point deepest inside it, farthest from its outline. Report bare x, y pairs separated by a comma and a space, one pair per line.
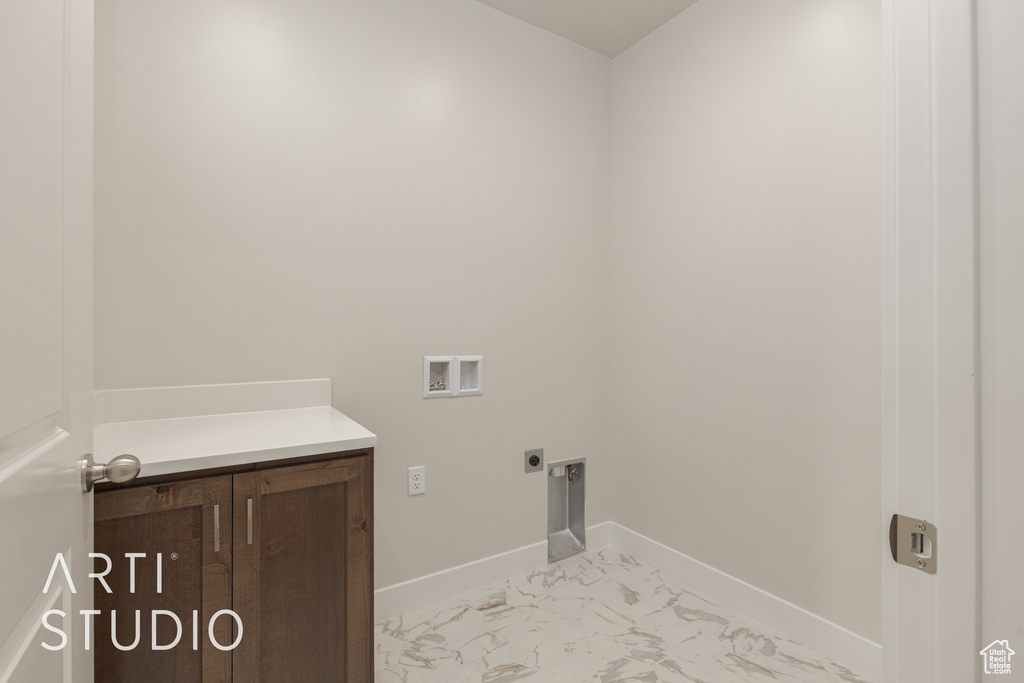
403, 597
842, 645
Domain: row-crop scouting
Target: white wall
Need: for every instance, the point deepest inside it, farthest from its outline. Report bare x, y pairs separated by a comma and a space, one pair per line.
746, 296
1001, 169
306, 188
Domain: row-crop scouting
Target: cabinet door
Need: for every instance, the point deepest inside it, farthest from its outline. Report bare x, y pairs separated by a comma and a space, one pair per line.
177, 521
303, 553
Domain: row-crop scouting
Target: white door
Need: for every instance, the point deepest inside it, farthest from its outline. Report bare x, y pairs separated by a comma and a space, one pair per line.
1001, 183
45, 331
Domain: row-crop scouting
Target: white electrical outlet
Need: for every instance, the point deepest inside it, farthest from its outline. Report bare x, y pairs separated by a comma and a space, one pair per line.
417, 480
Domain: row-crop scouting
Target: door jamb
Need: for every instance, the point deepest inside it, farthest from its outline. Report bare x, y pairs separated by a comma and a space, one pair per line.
930, 235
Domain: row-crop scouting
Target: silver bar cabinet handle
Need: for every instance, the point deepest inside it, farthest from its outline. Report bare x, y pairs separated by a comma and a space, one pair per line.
216, 527
249, 505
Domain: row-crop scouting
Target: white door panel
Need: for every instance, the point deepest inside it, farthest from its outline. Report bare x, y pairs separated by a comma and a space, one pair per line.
46, 340
31, 212
25, 659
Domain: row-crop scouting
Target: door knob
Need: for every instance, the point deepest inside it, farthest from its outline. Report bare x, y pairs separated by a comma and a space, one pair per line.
119, 470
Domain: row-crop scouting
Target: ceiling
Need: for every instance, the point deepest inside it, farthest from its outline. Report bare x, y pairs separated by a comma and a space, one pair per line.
605, 26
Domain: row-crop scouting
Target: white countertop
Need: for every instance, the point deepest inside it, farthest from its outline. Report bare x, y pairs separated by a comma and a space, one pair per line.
185, 443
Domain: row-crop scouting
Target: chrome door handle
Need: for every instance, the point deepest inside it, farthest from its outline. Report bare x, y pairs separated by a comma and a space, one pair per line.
119, 470
248, 504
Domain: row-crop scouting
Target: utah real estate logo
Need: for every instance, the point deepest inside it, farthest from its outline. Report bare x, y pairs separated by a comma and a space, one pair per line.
997, 657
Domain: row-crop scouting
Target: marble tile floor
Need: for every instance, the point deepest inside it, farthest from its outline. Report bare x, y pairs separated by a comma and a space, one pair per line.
601, 616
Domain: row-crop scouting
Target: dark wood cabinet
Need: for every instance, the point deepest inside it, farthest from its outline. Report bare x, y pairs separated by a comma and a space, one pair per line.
302, 546
286, 547
173, 526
